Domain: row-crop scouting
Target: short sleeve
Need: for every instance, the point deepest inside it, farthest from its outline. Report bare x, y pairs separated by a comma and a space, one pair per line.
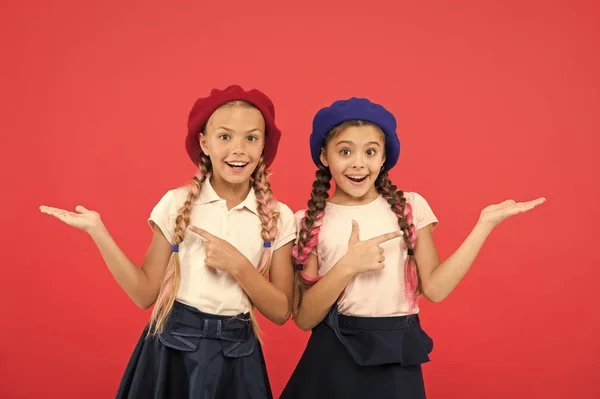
286, 230
163, 215
422, 213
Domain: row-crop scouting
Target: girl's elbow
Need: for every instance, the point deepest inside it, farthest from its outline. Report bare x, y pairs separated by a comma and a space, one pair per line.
144, 303
281, 314
434, 299
432, 295
282, 319
301, 324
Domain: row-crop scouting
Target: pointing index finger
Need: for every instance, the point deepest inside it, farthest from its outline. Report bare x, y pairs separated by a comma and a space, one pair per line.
386, 237
202, 233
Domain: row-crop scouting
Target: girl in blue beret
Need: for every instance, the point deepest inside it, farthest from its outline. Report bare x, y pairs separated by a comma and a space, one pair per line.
364, 256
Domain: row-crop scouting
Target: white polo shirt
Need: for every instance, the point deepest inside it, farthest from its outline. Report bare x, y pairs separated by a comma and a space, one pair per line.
203, 287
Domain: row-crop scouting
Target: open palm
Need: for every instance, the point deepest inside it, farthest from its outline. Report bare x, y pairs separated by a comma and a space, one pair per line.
84, 219
494, 214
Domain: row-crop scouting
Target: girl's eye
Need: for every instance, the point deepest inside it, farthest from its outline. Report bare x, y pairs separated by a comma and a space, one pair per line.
252, 138
345, 151
224, 136
371, 152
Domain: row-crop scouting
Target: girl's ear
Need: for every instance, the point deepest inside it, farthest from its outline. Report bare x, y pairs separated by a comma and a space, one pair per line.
323, 157
203, 144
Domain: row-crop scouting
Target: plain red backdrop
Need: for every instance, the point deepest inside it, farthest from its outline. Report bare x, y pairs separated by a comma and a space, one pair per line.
495, 100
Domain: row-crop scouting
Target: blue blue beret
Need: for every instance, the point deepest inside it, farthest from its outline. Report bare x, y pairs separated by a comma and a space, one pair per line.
355, 109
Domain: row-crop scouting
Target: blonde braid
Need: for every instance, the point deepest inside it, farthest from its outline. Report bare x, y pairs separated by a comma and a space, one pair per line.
268, 218
170, 284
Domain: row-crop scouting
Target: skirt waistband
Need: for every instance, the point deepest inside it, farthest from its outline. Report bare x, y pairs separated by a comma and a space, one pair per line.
378, 323
187, 325
372, 341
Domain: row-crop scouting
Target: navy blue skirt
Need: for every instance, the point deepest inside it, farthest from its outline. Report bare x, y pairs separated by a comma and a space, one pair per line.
199, 356
362, 357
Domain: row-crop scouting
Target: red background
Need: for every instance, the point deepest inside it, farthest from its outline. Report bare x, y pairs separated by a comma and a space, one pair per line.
495, 100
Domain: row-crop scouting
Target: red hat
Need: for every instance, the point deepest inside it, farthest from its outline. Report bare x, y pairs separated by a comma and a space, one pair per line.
204, 107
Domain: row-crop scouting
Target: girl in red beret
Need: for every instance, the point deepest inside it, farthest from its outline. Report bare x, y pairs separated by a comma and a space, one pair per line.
364, 256
214, 243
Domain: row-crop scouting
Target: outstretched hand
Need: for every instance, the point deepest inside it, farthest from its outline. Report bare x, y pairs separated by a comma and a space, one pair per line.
494, 214
84, 219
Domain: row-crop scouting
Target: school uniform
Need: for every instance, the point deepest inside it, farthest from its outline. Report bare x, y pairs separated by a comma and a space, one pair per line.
371, 344
208, 348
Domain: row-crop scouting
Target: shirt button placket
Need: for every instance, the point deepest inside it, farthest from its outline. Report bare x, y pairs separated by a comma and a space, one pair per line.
226, 224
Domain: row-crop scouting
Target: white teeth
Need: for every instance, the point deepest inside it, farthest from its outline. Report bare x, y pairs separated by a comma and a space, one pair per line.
237, 163
357, 178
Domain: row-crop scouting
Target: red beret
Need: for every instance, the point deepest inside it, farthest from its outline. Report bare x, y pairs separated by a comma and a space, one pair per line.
204, 107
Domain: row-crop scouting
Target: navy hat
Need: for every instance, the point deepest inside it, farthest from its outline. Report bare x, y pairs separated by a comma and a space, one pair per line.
355, 109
